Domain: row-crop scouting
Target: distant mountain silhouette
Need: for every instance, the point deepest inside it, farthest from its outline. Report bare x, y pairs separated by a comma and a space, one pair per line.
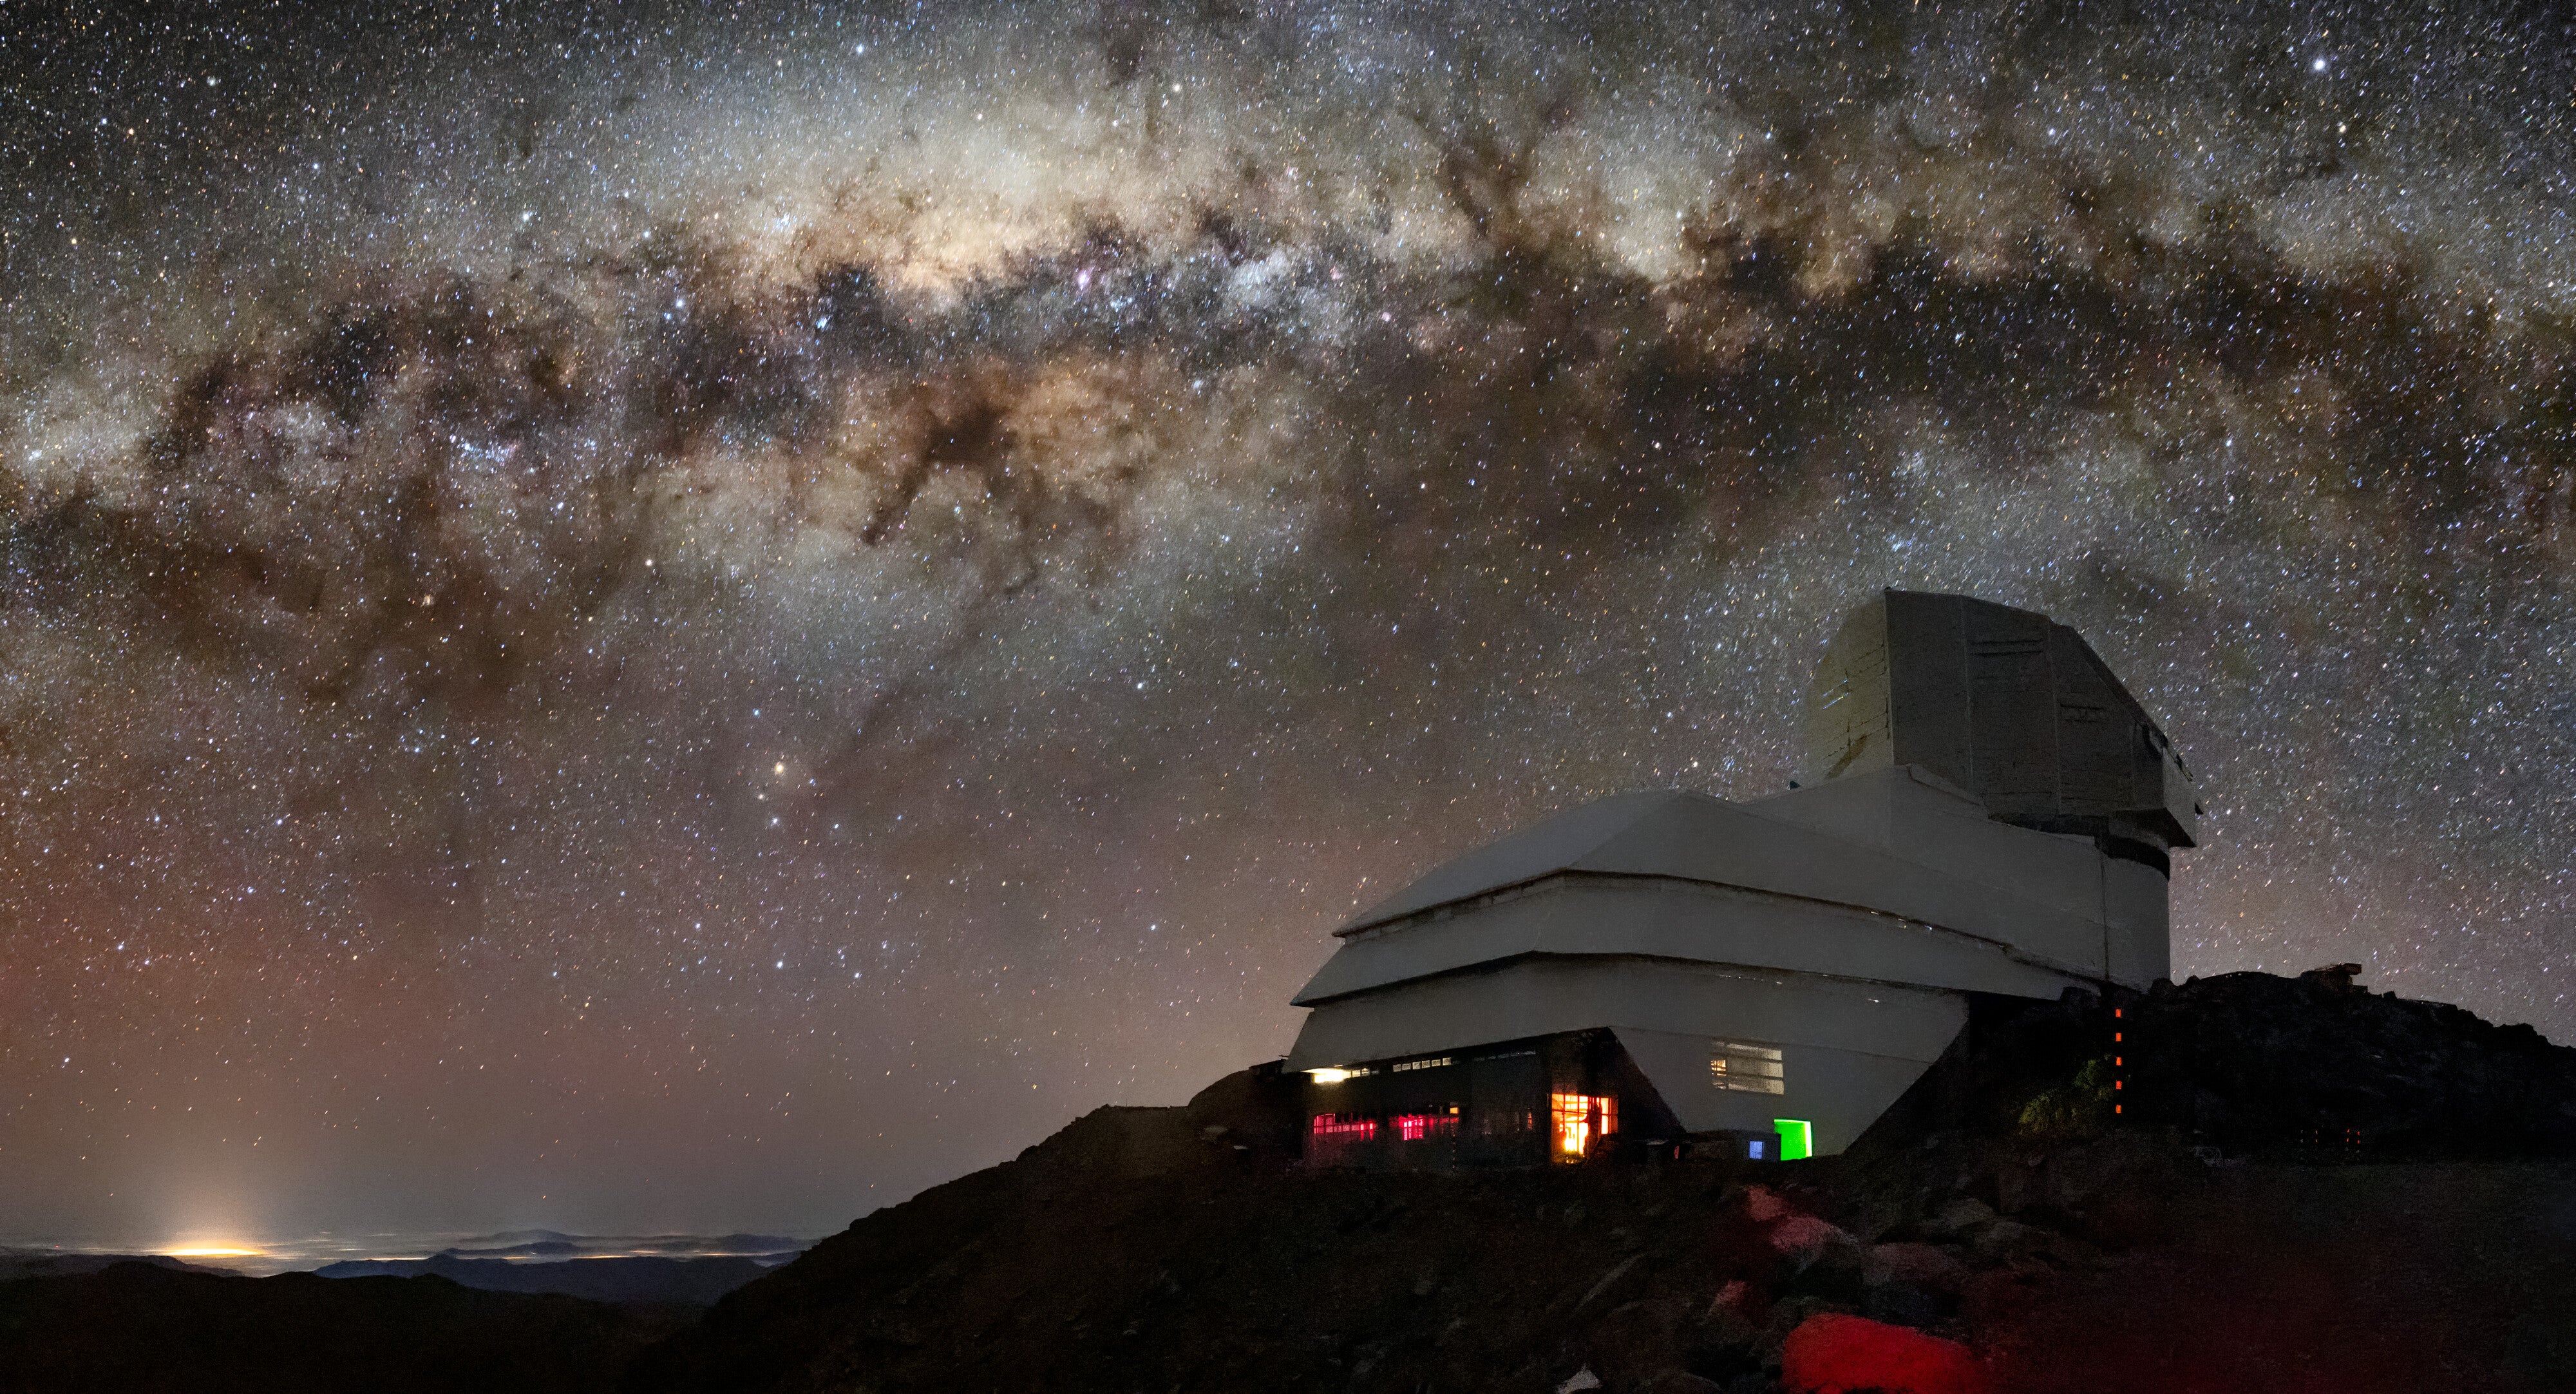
725, 1243
539, 1243
511, 1237
53, 1263
537, 1249
148, 1326
624, 1278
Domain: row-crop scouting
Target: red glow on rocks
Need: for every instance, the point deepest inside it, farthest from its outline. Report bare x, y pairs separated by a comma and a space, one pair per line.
1835, 1354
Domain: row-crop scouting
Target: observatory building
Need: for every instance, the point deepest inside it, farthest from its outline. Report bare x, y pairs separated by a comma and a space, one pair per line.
1981, 808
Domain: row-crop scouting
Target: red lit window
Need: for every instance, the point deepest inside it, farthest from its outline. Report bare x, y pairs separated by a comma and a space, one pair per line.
1340, 1141
1414, 1127
1581, 1120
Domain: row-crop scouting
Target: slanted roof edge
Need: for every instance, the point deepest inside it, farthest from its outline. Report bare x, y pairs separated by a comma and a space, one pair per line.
1726, 965
2007, 949
1646, 799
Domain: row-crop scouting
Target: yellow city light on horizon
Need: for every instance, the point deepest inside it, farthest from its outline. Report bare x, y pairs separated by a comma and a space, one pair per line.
213, 1251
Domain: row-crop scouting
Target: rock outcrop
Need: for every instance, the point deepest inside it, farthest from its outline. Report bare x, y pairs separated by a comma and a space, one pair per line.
2316, 1064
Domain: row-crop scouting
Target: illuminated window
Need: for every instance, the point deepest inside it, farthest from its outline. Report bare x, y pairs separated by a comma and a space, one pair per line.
1749, 1069
1339, 1141
1433, 1063
1581, 1120
1797, 1138
1414, 1127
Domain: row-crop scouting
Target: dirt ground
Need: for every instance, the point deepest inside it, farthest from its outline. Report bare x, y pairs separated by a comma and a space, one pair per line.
2317, 1280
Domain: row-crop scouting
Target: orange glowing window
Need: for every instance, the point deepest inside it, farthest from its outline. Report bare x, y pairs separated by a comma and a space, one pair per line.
1581, 1120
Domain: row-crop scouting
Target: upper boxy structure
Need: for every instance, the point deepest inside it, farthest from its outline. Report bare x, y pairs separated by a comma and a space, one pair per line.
2010, 707
1981, 808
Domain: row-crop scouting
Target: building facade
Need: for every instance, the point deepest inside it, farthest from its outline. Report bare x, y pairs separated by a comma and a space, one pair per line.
1981, 808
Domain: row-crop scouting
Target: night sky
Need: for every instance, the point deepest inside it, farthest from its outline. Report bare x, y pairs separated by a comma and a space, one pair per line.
697, 618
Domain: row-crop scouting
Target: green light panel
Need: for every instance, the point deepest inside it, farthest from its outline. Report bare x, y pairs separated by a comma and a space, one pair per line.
1797, 1138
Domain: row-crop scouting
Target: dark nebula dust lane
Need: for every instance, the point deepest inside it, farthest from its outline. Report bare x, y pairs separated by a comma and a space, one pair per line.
685, 618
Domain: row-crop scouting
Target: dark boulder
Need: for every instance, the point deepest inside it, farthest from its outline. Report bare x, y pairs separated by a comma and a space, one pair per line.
2317, 1067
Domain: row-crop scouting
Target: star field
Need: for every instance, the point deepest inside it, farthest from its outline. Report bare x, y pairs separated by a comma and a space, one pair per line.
698, 617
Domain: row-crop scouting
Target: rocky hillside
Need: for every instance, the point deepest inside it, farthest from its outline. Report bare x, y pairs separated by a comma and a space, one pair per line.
2316, 1188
